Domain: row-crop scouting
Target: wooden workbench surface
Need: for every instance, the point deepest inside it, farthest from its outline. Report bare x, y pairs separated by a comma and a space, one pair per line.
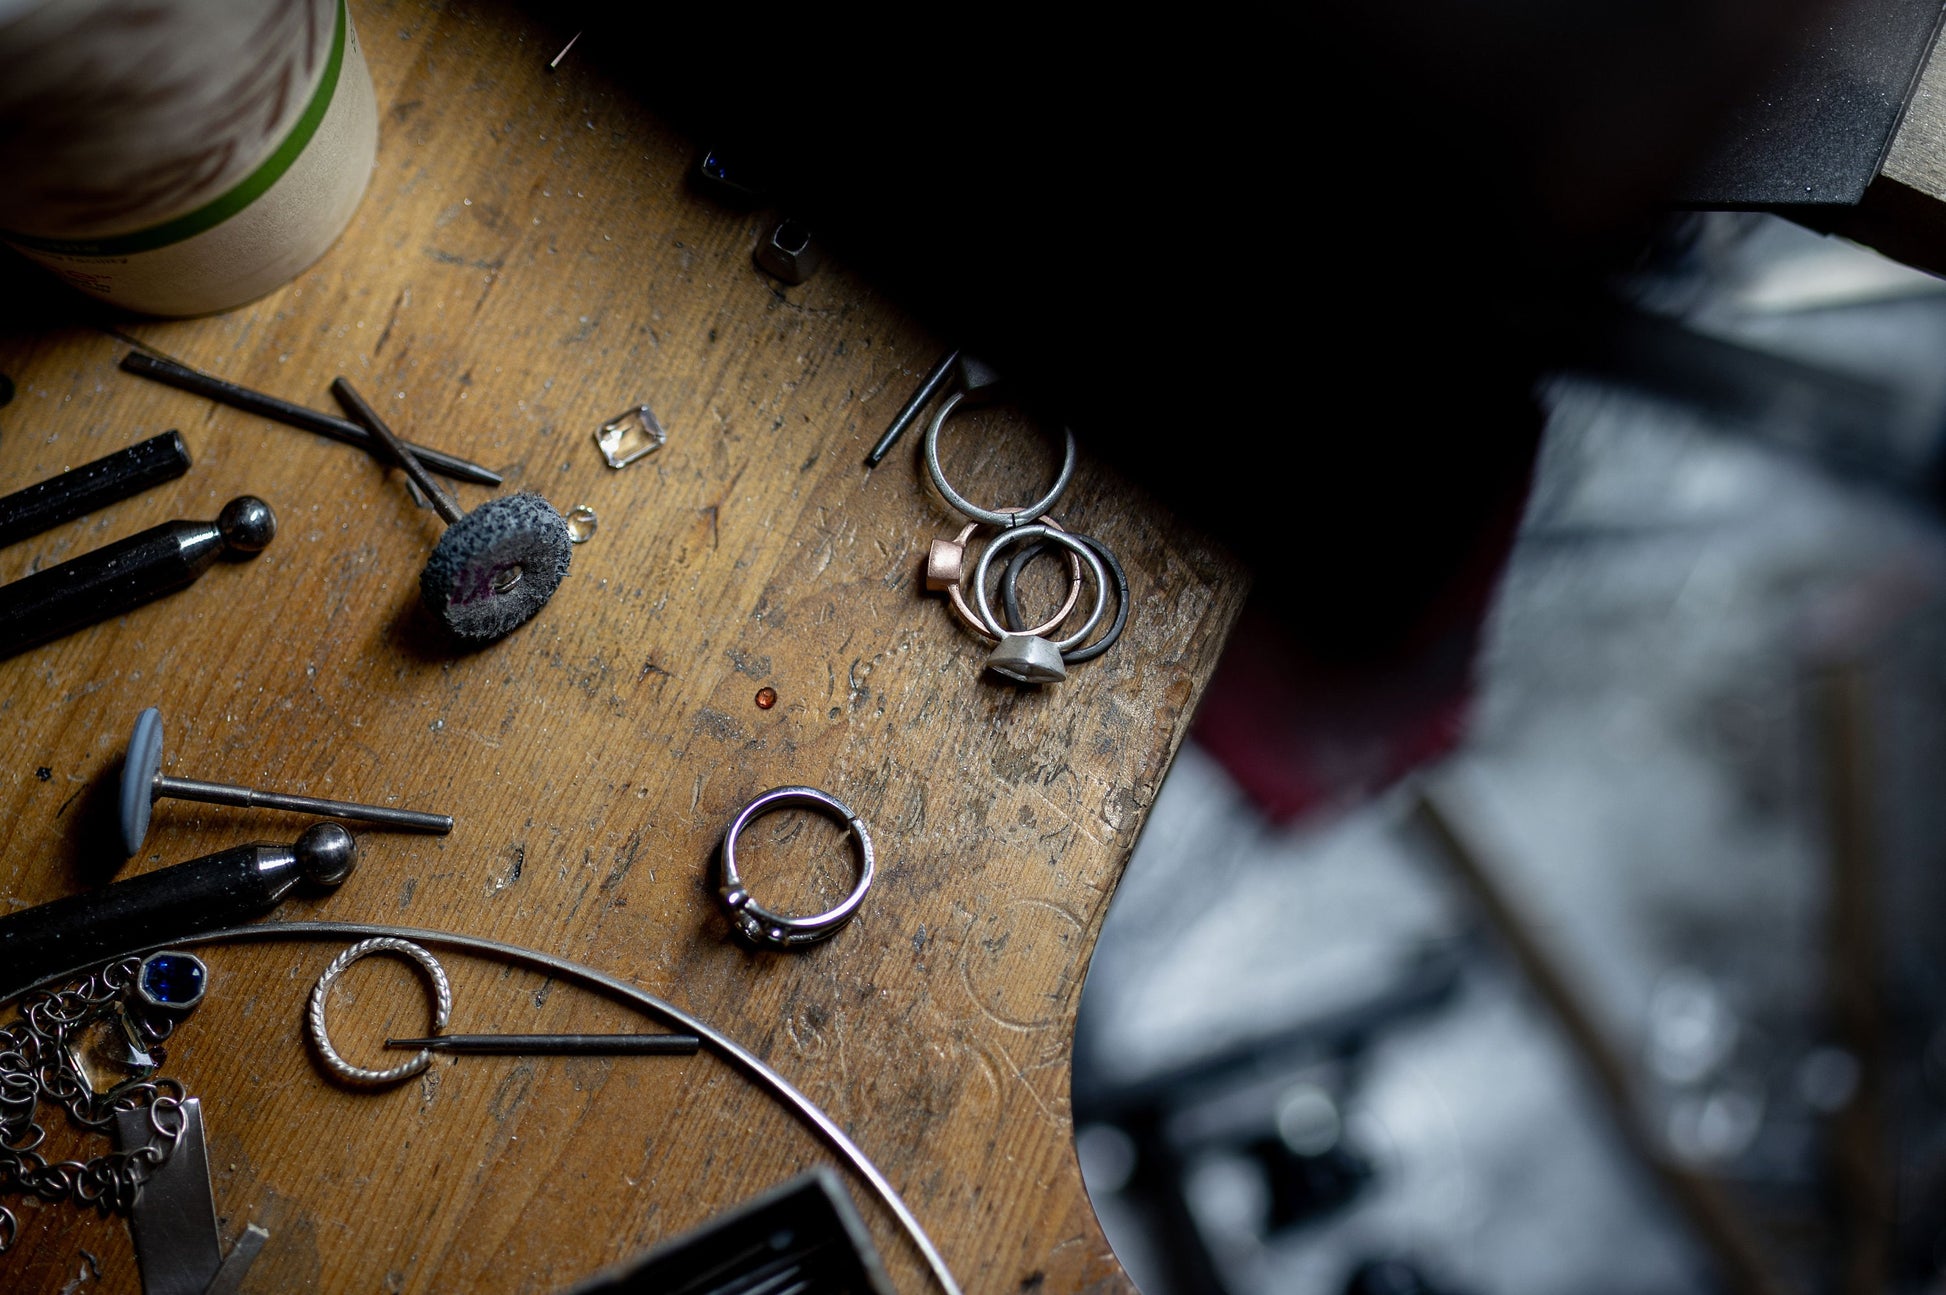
527, 263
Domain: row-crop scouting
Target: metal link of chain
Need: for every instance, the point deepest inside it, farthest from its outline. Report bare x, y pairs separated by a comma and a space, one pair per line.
35, 1067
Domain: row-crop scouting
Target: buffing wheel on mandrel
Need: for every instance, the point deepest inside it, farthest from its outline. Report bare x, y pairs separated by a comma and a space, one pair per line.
496, 566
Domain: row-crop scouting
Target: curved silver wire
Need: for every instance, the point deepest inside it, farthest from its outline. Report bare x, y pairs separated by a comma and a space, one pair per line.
721, 1044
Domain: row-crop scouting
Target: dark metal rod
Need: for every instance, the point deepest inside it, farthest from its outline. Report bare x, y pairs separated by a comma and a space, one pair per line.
1862, 1168
236, 1265
46, 504
283, 411
927, 390
217, 793
560, 1045
363, 413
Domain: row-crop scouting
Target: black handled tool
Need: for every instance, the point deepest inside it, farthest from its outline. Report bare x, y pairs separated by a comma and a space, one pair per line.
46, 504
122, 576
292, 415
167, 905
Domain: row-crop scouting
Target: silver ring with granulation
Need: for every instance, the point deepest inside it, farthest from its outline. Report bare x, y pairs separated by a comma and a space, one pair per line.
992, 516
1073, 544
442, 1010
760, 925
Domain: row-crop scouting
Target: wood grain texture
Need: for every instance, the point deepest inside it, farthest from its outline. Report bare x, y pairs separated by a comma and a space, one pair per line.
527, 263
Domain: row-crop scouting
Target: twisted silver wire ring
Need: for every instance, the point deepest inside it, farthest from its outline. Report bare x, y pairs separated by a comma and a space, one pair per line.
314, 1016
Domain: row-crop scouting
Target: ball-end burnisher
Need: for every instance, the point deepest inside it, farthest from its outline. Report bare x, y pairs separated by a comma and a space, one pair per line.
326, 854
246, 526
495, 566
119, 577
167, 905
143, 783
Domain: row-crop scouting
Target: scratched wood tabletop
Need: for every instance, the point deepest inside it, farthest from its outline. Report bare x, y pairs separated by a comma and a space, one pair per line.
527, 263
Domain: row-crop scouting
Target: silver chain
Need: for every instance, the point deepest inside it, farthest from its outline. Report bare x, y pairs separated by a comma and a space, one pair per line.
35, 1067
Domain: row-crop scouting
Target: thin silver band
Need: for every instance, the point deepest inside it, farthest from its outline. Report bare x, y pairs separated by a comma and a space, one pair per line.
1074, 545
991, 516
964, 610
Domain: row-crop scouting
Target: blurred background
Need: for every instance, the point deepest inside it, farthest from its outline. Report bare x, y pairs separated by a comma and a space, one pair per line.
1614, 966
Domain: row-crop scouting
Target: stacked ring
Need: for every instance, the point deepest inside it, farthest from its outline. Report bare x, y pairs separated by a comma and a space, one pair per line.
1010, 601
1003, 518
1047, 533
957, 598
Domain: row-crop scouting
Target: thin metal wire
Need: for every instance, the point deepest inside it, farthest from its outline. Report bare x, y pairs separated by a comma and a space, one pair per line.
721, 1044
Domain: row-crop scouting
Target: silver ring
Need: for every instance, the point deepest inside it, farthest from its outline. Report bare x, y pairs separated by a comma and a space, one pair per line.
991, 516
758, 924
964, 610
442, 1010
1070, 542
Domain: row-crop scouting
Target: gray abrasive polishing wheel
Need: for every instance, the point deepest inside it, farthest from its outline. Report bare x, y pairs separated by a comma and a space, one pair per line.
497, 566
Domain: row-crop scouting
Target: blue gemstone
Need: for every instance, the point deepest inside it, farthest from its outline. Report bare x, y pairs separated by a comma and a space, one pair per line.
174, 979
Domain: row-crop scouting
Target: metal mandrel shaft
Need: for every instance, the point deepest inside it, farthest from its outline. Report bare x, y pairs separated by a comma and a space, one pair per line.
494, 567
143, 783
927, 390
294, 415
218, 793
395, 449
561, 1045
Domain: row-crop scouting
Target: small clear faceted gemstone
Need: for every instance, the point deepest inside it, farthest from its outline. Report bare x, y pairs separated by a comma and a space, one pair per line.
173, 979
108, 1054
